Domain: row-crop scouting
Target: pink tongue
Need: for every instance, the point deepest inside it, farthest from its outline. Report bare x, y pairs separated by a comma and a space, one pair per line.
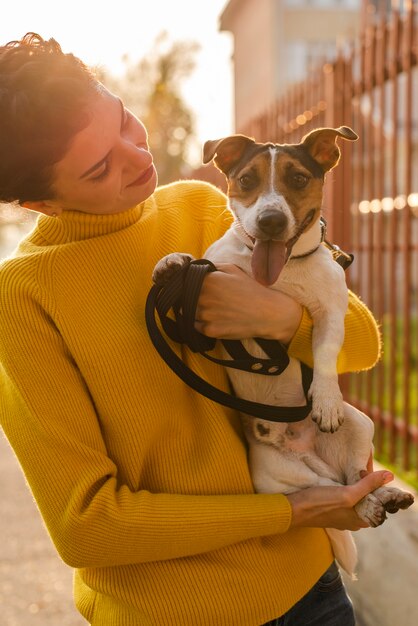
268, 260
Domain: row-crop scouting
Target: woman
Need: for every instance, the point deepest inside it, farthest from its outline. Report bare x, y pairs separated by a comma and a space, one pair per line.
142, 483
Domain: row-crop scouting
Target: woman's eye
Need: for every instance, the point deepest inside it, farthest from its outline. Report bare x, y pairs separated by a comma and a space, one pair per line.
102, 174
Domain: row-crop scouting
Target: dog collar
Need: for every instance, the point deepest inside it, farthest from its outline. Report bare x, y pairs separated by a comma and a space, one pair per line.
308, 242
319, 229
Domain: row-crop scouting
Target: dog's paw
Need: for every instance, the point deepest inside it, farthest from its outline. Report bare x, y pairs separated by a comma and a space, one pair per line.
394, 499
327, 406
169, 265
371, 510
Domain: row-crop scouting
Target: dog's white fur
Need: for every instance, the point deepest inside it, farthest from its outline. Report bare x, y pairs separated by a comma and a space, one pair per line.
286, 457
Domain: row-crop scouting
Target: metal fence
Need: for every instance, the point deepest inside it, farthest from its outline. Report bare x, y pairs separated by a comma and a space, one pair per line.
371, 201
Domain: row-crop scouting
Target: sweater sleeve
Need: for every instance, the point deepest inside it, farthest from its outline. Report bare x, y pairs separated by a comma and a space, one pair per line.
92, 516
361, 349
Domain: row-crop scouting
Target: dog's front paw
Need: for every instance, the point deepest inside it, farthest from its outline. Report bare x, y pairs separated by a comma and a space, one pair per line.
394, 499
327, 406
169, 265
371, 510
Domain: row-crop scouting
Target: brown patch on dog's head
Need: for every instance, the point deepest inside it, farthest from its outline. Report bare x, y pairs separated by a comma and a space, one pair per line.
229, 151
245, 164
299, 181
249, 178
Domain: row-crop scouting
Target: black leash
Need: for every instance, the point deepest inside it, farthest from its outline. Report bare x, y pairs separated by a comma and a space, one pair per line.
180, 294
344, 259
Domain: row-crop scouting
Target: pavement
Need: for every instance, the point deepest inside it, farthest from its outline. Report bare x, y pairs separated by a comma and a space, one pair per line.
35, 585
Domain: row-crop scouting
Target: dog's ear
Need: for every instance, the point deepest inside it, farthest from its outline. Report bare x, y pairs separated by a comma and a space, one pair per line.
322, 145
226, 152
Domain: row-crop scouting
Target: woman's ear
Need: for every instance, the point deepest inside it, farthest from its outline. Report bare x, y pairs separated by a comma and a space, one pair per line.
40, 206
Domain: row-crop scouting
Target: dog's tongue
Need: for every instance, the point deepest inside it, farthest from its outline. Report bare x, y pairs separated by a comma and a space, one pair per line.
267, 261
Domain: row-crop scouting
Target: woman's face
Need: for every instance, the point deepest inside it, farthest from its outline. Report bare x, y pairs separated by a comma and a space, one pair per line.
108, 167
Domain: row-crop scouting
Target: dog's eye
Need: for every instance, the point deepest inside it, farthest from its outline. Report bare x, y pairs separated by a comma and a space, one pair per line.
300, 180
247, 181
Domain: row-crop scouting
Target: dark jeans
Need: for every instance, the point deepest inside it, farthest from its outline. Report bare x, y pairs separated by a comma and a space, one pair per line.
326, 604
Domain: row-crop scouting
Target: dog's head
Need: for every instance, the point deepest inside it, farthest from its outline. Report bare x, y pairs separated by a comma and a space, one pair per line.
274, 190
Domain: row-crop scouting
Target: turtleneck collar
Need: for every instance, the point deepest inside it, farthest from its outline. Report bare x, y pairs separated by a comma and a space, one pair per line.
76, 226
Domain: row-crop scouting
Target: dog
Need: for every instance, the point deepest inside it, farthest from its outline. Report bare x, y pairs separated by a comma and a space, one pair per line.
275, 194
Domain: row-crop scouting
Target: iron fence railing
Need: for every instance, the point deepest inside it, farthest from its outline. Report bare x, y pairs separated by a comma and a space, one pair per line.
371, 201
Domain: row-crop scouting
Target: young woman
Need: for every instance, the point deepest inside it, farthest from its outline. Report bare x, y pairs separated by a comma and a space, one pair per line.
142, 483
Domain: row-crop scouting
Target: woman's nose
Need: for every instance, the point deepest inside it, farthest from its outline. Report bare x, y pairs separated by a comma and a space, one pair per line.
138, 155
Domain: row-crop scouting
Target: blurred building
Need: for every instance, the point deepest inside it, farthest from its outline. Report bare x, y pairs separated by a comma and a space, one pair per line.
276, 42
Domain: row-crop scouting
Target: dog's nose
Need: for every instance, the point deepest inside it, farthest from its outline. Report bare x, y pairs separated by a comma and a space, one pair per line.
272, 222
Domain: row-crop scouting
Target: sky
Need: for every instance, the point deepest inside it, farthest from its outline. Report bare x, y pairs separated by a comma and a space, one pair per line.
100, 32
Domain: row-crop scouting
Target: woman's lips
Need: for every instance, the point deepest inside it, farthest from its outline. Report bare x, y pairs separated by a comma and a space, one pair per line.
144, 178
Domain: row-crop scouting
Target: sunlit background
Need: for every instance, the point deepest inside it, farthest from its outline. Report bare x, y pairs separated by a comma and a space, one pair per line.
102, 32
115, 38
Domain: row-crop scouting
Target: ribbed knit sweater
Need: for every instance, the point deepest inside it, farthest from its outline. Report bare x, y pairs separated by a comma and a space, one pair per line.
143, 484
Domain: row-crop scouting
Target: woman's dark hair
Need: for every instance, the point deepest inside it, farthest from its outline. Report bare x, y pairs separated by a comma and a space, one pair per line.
43, 103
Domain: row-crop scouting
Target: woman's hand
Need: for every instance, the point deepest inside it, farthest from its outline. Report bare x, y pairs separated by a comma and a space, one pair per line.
332, 507
234, 306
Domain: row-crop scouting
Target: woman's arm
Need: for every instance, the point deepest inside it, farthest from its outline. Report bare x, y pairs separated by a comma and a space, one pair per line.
252, 310
361, 349
94, 518
234, 306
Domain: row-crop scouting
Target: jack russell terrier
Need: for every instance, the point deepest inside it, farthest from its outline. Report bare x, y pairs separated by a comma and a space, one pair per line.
275, 196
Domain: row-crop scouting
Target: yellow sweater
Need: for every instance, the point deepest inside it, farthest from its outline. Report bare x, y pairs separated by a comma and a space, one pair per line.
143, 484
